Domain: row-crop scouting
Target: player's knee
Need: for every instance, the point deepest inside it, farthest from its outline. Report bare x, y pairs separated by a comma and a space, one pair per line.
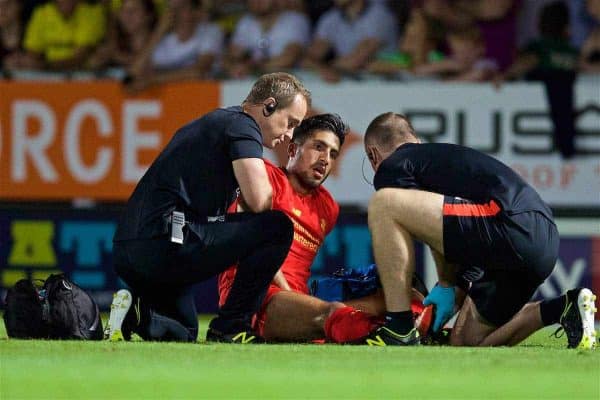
333, 306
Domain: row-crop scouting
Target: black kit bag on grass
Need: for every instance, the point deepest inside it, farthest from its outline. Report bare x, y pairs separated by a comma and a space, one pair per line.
56, 309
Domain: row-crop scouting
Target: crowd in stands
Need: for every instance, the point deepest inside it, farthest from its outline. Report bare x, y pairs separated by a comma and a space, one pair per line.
148, 42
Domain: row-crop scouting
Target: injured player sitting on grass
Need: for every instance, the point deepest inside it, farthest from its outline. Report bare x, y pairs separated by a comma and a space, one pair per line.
288, 312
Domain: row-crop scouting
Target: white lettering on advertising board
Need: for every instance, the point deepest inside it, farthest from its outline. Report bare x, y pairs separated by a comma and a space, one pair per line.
35, 131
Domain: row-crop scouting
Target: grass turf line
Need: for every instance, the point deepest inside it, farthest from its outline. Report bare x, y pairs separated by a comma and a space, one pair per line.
540, 368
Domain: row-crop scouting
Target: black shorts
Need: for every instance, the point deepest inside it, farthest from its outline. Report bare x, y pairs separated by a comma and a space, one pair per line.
516, 253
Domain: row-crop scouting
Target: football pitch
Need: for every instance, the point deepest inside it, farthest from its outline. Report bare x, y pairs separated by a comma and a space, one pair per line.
540, 368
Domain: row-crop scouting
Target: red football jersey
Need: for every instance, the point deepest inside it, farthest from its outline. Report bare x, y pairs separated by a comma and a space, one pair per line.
313, 216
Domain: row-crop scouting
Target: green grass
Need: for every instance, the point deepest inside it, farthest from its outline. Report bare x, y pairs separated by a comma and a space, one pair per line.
540, 368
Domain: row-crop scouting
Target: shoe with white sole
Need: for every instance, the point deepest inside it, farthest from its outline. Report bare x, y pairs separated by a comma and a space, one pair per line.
384, 336
578, 319
118, 311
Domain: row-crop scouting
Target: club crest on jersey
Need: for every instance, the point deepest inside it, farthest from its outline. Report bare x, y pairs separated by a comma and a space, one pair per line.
296, 212
323, 225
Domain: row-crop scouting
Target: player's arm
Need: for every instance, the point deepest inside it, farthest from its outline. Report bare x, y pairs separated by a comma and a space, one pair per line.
253, 180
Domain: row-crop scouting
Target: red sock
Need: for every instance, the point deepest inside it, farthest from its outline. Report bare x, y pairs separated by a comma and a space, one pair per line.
348, 324
423, 316
416, 307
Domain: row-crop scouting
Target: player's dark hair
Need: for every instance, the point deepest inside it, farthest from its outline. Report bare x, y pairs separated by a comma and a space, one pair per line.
283, 87
390, 128
327, 122
554, 20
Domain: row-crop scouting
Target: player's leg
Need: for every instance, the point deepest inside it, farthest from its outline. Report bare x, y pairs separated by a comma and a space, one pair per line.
259, 246
396, 217
493, 312
521, 326
257, 242
470, 328
374, 304
296, 317
497, 313
574, 311
293, 316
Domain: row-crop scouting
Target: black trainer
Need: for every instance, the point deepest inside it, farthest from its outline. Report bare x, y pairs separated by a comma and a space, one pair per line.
386, 337
242, 337
578, 319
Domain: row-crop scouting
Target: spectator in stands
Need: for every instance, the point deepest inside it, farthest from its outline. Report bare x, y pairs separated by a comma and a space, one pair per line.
418, 46
589, 60
128, 35
227, 13
12, 55
348, 37
553, 60
316, 8
27, 7
466, 61
267, 39
497, 20
444, 12
62, 34
185, 45
527, 29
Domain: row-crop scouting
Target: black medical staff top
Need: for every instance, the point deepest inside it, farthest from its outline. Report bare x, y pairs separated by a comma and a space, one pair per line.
459, 171
192, 174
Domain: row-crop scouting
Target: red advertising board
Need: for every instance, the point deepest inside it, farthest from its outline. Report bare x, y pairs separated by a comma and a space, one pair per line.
88, 139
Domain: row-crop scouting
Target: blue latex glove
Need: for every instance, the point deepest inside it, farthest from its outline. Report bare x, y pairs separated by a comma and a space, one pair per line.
443, 299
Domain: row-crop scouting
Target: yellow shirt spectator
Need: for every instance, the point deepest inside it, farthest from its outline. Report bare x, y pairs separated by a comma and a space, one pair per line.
57, 38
